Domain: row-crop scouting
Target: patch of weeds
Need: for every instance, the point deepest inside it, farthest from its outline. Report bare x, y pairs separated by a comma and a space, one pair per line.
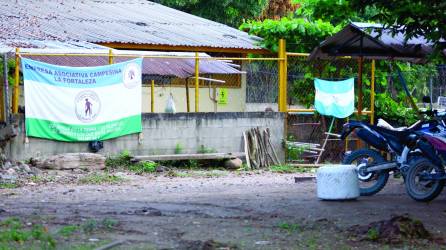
244, 167
178, 148
293, 151
8, 185
214, 173
89, 245
69, 230
173, 173
193, 164
42, 179
372, 234
205, 150
14, 234
289, 228
290, 169
312, 243
122, 160
108, 223
92, 225
143, 167
101, 178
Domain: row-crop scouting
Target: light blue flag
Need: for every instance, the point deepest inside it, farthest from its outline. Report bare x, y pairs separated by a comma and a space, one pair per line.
334, 98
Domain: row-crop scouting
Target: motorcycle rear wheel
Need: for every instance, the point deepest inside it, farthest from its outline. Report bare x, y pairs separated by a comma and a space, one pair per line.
374, 182
419, 189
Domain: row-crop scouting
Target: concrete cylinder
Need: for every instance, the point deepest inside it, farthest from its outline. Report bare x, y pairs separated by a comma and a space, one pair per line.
337, 182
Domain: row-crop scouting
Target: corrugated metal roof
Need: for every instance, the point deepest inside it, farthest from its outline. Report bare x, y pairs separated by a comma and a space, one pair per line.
378, 42
10, 45
115, 21
178, 67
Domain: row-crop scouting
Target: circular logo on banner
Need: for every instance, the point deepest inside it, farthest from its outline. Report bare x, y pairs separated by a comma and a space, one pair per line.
87, 106
132, 75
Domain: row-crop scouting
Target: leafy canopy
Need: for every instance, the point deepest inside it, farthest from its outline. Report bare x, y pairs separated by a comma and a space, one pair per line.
301, 34
416, 18
230, 12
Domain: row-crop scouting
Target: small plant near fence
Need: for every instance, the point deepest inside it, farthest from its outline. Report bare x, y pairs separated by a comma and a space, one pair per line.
295, 152
123, 161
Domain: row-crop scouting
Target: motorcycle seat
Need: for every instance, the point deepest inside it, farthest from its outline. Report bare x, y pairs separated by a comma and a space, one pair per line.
384, 124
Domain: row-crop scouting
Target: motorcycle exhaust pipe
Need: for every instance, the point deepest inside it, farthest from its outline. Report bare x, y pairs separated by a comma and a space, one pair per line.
383, 166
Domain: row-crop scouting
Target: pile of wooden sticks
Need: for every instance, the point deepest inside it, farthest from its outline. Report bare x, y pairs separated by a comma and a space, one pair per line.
258, 149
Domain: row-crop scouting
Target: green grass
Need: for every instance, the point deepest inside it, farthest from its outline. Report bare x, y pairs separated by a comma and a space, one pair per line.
123, 161
6, 185
69, 230
15, 235
372, 234
289, 228
205, 150
42, 179
143, 167
290, 169
101, 178
197, 173
92, 225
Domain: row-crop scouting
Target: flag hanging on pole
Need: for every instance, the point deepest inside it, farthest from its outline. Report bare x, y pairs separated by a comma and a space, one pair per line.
334, 98
82, 103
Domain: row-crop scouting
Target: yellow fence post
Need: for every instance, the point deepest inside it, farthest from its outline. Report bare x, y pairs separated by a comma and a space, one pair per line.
197, 81
187, 96
282, 76
372, 94
152, 96
16, 93
110, 56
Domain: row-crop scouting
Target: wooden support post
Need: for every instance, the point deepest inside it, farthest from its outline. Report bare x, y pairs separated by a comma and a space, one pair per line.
152, 96
372, 94
16, 93
197, 82
282, 103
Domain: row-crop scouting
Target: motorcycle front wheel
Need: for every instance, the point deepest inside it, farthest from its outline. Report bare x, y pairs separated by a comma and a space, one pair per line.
419, 188
370, 183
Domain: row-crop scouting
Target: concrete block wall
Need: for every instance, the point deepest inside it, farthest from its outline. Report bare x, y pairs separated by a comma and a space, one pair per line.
162, 133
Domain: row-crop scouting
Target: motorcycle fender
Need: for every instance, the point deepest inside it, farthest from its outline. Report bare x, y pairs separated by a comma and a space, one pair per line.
429, 151
371, 139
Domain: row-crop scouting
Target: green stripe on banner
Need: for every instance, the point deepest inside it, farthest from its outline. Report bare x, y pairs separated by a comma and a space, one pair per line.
69, 132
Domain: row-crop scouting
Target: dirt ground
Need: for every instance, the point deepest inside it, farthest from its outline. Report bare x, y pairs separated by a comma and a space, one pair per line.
244, 211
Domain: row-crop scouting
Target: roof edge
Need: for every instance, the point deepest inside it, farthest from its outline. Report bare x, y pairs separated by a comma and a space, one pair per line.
135, 46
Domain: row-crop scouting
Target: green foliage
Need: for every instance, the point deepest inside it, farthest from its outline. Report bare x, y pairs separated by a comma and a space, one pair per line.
289, 228
101, 178
372, 234
416, 18
11, 70
393, 111
230, 12
143, 167
13, 234
124, 161
205, 150
302, 35
178, 149
67, 231
287, 169
294, 152
8, 185
337, 12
